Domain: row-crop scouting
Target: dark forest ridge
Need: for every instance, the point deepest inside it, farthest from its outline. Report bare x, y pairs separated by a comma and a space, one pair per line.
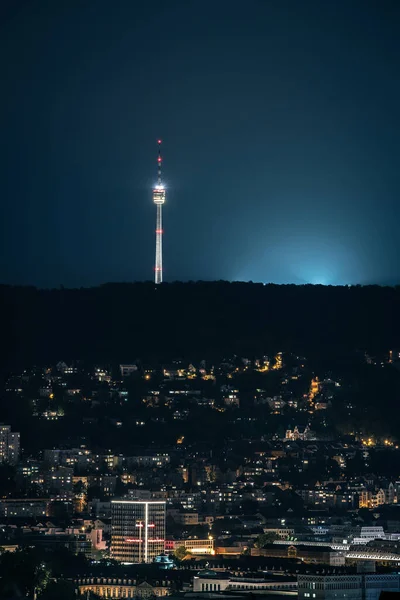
123, 321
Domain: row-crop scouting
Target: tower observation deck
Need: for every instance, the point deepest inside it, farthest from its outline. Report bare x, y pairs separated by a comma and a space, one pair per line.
159, 199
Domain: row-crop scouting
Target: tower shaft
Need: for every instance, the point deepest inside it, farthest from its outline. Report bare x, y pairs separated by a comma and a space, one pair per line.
158, 269
159, 199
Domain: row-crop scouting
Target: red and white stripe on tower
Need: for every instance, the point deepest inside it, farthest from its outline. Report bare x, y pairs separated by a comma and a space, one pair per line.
159, 199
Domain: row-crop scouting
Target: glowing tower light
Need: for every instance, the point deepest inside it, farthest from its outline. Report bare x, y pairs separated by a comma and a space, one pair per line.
159, 199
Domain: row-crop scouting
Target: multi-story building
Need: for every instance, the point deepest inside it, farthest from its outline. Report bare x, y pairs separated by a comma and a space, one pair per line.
232, 399
322, 496
192, 545
106, 483
369, 499
367, 534
212, 581
374, 584
29, 473
75, 543
137, 530
200, 546
351, 587
299, 433
127, 370
70, 457
148, 461
276, 404
24, 507
9, 445
59, 479
102, 510
187, 518
316, 554
324, 587
105, 587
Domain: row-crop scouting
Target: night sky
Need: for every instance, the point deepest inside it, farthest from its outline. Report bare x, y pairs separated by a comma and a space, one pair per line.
280, 126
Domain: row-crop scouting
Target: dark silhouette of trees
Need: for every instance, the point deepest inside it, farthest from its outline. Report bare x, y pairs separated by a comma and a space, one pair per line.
22, 573
265, 538
7, 479
241, 318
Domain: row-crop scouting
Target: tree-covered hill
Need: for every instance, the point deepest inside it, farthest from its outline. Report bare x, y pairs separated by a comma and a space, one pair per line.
123, 321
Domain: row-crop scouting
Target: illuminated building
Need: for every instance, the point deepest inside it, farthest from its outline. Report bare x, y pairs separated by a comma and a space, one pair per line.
59, 479
127, 370
264, 366
164, 562
369, 499
314, 389
30, 473
200, 546
352, 587
276, 404
217, 581
278, 362
80, 502
368, 534
299, 433
192, 545
321, 405
174, 373
148, 461
159, 199
102, 375
232, 400
68, 457
9, 445
106, 482
96, 537
104, 587
183, 470
24, 507
137, 530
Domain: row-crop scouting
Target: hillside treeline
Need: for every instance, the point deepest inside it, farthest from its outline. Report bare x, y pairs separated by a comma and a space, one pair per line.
124, 321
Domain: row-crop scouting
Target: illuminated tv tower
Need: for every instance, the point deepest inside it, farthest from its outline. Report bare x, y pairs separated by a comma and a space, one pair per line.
159, 199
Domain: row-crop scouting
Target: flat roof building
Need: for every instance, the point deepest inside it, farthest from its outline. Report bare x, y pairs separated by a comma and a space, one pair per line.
351, 587
137, 530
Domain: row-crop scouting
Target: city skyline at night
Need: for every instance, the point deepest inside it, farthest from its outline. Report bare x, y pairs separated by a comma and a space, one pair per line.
212, 413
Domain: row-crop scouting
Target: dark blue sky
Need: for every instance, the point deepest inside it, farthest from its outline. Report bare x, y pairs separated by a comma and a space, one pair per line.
280, 122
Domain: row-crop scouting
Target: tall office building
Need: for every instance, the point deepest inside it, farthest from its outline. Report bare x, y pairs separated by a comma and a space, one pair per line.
137, 530
9, 445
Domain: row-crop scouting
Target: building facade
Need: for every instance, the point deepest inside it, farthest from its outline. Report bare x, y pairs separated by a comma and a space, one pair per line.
137, 530
24, 507
196, 546
351, 587
121, 588
212, 581
312, 554
9, 445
